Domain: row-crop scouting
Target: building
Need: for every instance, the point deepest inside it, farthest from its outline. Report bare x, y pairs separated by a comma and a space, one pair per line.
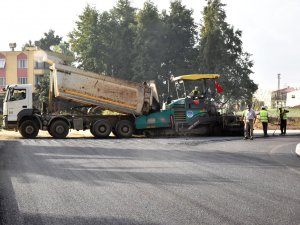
264, 95
26, 67
279, 97
293, 99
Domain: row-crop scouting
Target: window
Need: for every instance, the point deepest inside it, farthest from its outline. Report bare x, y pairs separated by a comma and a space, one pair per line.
22, 63
22, 80
293, 96
17, 94
38, 79
2, 63
41, 65
2, 81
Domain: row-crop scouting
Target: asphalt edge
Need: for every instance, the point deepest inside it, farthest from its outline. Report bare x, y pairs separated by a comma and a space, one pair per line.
298, 150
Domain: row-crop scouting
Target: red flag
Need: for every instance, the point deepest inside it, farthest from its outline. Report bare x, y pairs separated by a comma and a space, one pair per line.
218, 87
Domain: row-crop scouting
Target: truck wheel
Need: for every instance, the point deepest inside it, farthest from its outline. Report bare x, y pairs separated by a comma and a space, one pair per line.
124, 129
59, 129
101, 129
92, 130
49, 131
29, 129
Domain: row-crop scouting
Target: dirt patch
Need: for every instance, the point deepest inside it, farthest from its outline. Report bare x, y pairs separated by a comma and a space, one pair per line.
293, 123
12, 135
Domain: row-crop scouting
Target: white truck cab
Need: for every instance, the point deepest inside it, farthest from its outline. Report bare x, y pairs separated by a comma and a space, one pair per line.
18, 98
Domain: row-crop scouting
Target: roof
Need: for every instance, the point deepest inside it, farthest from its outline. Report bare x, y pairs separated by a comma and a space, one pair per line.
196, 77
284, 90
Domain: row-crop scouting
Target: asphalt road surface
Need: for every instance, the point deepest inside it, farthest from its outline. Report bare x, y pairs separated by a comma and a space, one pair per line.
141, 181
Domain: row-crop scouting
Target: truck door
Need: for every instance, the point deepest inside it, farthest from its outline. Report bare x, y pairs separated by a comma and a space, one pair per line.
16, 100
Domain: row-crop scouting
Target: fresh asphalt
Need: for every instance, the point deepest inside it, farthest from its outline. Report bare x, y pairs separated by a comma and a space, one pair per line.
140, 181
259, 134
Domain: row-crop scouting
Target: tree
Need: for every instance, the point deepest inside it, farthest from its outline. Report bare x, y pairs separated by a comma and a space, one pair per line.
220, 51
42, 91
49, 40
84, 41
28, 44
180, 40
123, 39
63, 48
149, 44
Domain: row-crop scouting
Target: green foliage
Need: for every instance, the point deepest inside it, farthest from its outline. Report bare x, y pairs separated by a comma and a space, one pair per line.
28, 44
180, 40
42, 91
179, 44
123, 35
293, 112
103, 42
64, 49
220, 51
145, 44
149, 44
50, 39
84, 40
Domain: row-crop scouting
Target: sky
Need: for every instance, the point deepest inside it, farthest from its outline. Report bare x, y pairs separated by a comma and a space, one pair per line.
271, 32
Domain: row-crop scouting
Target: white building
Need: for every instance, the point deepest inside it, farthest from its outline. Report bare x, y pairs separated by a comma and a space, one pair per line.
293, 98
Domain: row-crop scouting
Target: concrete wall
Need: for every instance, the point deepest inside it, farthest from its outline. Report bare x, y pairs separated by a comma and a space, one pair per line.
293, 98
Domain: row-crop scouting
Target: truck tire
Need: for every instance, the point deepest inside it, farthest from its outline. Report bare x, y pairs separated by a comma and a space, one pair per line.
49, 131
59, 129
101, 128
92, 130
29, 129
124, 129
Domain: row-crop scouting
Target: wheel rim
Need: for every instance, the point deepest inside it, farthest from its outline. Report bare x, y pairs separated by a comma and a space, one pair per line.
59, 129
125, 129
102, 129
29, 129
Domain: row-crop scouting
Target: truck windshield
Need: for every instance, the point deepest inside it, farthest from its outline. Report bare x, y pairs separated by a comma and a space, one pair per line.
15, 94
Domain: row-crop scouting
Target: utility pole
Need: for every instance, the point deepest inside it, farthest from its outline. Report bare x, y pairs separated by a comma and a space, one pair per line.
278, 92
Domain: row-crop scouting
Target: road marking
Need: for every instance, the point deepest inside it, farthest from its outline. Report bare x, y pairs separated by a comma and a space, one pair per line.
298, 150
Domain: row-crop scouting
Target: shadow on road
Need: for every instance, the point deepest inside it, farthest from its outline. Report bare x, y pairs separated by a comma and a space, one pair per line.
73, 163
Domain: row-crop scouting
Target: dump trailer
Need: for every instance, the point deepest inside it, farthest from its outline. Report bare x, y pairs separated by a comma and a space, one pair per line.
137, 105
107, 92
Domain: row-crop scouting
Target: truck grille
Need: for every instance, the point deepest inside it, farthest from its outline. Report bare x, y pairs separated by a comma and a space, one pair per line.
179, 116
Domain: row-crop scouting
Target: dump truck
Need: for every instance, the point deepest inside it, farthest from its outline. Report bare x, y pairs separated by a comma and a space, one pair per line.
137, 106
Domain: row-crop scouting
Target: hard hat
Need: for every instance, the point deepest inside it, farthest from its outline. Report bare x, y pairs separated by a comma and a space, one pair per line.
264, 107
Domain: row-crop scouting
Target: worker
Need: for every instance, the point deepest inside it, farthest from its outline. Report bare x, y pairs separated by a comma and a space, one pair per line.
264, 119
249, 116
195, 93
283, 120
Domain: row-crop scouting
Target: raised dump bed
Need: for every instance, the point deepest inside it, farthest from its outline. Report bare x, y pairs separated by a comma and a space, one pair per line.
104, 91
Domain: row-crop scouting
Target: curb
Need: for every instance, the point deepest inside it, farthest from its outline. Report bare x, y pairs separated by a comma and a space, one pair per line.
298, 150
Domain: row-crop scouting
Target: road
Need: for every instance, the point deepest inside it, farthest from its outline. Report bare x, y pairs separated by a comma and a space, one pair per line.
141, 181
